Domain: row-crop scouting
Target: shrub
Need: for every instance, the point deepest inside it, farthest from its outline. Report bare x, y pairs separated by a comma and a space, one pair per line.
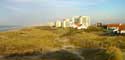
114, 53
110, 53
94, 29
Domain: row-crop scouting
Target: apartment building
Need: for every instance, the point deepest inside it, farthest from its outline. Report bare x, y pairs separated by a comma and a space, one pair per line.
78, 22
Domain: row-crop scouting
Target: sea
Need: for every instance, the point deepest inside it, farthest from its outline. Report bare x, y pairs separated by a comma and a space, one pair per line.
7, 28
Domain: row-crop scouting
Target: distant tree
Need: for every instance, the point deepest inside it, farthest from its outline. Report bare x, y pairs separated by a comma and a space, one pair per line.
94, 29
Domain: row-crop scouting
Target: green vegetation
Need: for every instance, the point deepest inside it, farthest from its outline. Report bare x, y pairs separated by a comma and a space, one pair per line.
45, 39
95, 29
114, 53
26, 40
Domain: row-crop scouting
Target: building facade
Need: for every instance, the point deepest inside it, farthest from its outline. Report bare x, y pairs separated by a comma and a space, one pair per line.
58, 24
66, 23
116, 28
79, 22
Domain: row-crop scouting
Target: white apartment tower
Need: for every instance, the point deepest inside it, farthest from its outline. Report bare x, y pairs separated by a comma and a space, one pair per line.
66, 23
58, 23
81, 21
85, 20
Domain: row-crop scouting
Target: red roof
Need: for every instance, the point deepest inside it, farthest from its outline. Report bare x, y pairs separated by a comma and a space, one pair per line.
112, 25
120, 26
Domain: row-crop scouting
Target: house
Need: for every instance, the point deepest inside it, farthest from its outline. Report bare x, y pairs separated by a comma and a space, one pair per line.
112, 26
99, 24
122, 28
79, 26
116, 28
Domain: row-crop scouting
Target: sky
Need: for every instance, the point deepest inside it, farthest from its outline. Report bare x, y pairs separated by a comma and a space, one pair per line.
35, 12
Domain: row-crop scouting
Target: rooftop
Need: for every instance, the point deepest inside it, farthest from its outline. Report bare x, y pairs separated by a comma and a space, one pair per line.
120, 26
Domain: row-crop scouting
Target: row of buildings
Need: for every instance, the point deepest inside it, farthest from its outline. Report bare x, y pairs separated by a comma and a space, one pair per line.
79, 22
113, 28
116, 28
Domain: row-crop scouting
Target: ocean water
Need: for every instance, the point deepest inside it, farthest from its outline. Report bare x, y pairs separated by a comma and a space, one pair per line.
7, 28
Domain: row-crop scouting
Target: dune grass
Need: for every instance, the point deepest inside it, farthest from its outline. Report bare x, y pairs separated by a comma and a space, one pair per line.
27, 40
44, 39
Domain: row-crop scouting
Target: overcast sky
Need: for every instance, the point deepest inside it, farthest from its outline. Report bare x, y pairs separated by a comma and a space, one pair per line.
33, 12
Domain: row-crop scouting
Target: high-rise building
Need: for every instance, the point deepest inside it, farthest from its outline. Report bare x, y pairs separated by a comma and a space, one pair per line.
85, 20
66, 23
75, 19
81, 21
51, 24
58, 23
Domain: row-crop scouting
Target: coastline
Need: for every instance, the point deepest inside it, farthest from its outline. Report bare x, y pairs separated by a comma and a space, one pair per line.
9, 29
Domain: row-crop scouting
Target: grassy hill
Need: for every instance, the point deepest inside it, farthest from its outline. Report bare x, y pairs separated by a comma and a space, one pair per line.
43, 39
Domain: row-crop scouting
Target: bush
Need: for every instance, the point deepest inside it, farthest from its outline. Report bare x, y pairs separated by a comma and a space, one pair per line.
94, 29
110, 53
114, 53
